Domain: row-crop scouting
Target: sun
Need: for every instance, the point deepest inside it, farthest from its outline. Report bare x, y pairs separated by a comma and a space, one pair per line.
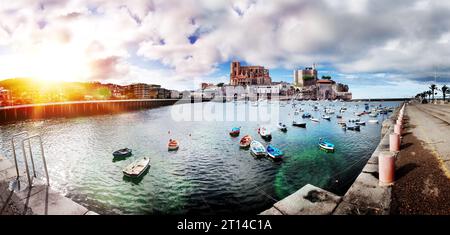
57, 63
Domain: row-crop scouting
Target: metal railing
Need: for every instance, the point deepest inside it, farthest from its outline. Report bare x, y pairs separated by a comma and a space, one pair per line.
28, 139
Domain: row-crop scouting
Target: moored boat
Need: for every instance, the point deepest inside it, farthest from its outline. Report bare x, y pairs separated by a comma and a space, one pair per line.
257, 149
282, 127
373, 121
245, 141
327, 146
306, 115
354, 128
125, 152
361, 123
265, 133
136, 168
173, 145
274, 153
299, 124
235, 131
314, 119
326, 117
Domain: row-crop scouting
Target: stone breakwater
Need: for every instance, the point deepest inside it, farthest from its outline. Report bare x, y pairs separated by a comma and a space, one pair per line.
364, 197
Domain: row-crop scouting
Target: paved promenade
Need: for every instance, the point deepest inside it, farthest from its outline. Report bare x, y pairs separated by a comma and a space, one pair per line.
422, 185
431, 124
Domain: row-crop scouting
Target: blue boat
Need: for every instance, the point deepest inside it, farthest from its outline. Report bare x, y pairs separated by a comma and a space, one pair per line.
274, 153
327, 146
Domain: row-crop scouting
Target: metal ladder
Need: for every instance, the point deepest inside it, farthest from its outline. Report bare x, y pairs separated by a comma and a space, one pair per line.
28, 139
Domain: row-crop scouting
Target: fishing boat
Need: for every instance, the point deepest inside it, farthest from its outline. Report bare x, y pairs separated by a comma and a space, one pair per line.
245, 141
282, 127
353, 120
257, 149
314, 119
265, 133
327, 146
339, 116
361, 123
136, 168
125, 152
373, 114
373, 121
326, 117
306, 115
173, 145
354, 128
274, 153
299, 124
329, 111
235, 131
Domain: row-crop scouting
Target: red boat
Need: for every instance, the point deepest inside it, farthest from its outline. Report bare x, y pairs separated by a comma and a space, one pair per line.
173, 145
245, 141
235, 131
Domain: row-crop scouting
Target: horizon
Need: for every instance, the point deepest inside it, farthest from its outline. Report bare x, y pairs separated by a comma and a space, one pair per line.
179, 46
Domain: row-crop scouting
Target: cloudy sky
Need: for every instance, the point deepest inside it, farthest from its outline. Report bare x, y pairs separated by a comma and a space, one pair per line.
380, 48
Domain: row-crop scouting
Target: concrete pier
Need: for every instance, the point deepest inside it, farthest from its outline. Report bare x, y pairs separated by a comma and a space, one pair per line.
39, 199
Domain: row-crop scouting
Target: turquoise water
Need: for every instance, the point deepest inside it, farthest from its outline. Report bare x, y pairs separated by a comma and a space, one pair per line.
209, 174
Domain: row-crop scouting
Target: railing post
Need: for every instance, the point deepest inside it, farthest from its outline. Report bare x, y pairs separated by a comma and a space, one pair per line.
14, 150
26, 162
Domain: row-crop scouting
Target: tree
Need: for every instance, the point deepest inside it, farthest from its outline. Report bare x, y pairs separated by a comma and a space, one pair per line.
444, 90
433, 87
429, 95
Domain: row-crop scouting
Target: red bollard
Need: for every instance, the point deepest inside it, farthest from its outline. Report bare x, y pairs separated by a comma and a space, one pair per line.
386, 168
394, 142
398, 129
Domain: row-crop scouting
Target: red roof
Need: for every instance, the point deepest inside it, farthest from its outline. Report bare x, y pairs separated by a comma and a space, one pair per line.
324, 81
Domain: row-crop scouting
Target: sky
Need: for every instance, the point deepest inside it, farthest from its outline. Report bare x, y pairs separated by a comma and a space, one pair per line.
380, 48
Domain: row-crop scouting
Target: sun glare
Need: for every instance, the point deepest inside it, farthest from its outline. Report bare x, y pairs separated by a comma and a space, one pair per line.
57, 63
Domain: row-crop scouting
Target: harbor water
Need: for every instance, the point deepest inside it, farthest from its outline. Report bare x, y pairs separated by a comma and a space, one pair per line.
209, 174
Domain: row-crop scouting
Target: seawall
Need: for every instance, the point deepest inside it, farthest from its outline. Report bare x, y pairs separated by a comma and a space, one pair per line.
12, 114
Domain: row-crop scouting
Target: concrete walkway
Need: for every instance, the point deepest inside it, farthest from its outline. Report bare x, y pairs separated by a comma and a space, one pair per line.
431, 124
39, 199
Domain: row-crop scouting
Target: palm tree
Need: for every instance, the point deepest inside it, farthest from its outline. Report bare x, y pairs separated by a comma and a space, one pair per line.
444, 90
433, 87
429, 95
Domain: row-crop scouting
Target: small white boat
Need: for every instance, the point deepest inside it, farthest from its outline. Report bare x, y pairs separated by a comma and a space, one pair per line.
353, 120
314, 120
373, 121
136, 168
282, 127
326, 117
265, 133
361, 123
257, 149
299, 124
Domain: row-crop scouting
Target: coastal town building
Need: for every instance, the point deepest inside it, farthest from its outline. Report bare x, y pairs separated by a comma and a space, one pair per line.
309, 86
305, 77
5, 97
248, 75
